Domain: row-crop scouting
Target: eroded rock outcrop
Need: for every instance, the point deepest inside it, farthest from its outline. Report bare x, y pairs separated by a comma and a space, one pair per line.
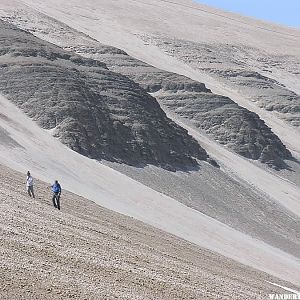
220, 117
96, 112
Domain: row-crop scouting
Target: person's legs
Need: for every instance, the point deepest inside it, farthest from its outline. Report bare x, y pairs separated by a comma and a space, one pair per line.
28, 190
31, 190
58, 201
53, 200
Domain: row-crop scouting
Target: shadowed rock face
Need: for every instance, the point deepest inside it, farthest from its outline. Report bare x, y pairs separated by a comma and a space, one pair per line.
220, 117
96, 112
231, 125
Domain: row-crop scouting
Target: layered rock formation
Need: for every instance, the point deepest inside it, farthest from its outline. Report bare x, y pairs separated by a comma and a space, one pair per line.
218, 116
96, 112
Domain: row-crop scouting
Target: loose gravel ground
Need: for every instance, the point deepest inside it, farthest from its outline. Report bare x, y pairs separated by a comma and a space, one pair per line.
87, 252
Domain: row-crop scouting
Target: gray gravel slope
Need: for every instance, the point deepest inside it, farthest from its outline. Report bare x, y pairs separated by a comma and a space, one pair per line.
87, 252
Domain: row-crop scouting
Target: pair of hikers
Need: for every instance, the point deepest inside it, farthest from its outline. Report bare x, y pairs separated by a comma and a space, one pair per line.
56, 190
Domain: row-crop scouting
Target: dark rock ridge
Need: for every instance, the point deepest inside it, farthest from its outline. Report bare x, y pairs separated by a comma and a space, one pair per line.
96, 112
220, 117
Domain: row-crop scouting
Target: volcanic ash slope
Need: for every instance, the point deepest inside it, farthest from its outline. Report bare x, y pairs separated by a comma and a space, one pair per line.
86, 251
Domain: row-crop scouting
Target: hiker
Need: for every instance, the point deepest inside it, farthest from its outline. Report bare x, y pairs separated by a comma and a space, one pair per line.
56, 189
29, 185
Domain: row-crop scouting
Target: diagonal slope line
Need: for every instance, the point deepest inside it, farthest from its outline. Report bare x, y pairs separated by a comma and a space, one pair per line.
224, 17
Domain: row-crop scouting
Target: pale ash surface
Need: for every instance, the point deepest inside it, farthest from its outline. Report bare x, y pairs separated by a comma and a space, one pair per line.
88, 252
234, 203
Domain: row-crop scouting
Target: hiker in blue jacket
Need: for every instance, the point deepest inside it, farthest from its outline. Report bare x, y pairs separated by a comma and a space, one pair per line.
56, 189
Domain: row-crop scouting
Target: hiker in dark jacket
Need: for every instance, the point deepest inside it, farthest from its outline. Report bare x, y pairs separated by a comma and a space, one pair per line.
56, 189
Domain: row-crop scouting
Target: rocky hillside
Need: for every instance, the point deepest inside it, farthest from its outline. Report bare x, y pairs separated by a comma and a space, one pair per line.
96, 112
87, 252
218, 116
247, 70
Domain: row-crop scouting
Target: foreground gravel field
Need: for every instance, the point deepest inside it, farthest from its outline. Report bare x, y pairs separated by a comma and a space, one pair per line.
87, 252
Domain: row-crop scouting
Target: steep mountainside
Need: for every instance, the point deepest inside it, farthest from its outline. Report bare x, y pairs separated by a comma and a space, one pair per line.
245, 69
256, 227
228, 123
113, 81
260, 60
88, 252
96, 112
218, 116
